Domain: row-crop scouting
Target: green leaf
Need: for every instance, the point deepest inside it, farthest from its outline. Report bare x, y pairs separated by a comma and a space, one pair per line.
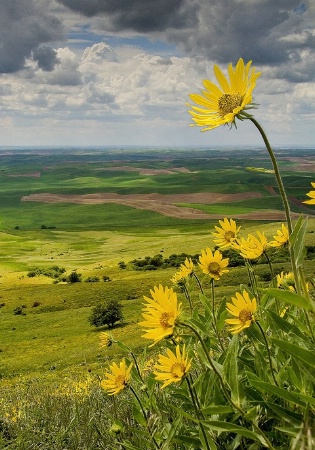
206, 304
290, 297
297, 240
137, 414
284, 325
290, 431
204, 386
187, 440
199, 326
123, 346
276, 390
206, 441
304, 355
171, 431
230, 368
285, 414
217, 409
232, 428
221, 320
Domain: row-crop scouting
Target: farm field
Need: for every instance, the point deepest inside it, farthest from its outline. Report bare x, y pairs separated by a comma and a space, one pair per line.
89, 211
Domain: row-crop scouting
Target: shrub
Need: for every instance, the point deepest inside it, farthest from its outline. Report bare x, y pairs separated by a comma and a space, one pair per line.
35, 304
93, 279
19, 311
74, 277
107, 313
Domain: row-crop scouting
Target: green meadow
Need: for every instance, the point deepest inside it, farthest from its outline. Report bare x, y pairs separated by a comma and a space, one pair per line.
93, 239
52, 340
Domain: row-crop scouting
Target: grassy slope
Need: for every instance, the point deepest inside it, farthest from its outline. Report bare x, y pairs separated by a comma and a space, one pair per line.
93, 239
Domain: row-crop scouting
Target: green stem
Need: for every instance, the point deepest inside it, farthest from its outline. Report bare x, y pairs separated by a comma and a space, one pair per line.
214, 317
273, 280
224, 390
252, 278
145, 416
283, 195
137, 366
213, 305
197, 410
277, 174
268, 351
187, 295
198, 281
195, 395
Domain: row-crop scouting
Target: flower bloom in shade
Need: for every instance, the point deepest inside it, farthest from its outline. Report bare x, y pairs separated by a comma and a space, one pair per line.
173, 367
185, 270
227, 234
160, 313
243, 309
220, 105
213, 264
282, 237
252, 247
106, 339
177, 277
117, 379
286, 281
311, 194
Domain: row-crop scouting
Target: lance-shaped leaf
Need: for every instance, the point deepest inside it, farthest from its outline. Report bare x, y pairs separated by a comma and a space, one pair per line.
297, 239
290, 297
307, 356
230, 367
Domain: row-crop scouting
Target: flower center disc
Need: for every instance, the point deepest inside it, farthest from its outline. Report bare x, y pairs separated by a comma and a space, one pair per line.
164, 320
178, 370
120, 380
245, 315
227, 103
214, 267
229, 235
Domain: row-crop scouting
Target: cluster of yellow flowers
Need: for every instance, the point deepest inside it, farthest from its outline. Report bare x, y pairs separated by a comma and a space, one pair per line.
161, 312
217, 105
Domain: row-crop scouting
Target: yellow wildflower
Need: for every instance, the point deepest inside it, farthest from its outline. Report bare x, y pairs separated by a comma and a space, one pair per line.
106, 339
311, 194
173, 367
185, 270
252, 247
282, 237
213, 264
220, 105
117, 379
160, 313
227, 234
243, 309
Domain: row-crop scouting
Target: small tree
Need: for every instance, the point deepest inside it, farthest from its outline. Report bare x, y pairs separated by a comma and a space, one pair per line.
74, 277
107, 313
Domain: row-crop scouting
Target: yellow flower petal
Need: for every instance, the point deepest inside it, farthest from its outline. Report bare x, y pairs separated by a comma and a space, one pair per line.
243, 308
223, 103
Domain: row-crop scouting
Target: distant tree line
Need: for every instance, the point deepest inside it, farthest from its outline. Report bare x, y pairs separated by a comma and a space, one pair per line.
235, 259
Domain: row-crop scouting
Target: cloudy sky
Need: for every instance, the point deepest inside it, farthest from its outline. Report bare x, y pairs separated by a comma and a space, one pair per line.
118, 72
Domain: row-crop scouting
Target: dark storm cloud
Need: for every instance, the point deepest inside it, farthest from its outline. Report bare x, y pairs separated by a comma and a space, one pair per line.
46, 58
24, 25
259, 30
220, 30
139, 15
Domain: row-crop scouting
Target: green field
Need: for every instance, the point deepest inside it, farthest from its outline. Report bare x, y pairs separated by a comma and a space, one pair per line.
93, 239
50, 356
